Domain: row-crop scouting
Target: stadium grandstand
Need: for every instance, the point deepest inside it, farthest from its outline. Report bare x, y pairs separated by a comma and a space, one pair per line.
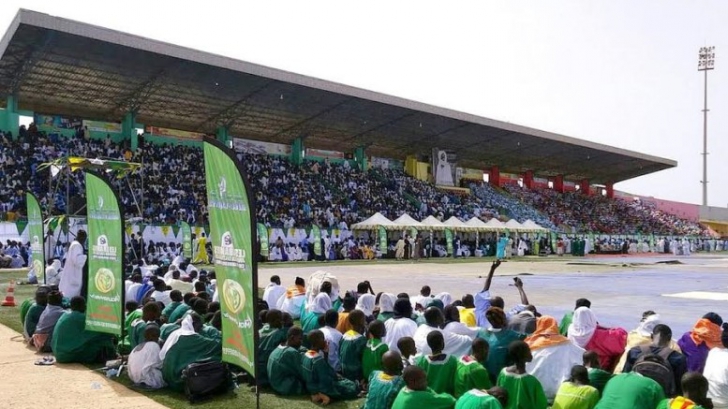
316, 152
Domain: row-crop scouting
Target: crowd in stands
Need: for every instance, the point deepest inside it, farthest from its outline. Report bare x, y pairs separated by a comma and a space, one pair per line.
398, 351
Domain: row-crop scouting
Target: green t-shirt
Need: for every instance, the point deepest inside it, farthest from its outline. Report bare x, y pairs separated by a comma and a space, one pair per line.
565, 322
477, 399
372, 357
573, 396
427, 399
383, 389
351, 352
598, 378
524, 391
470, 374
631, 391
440, 373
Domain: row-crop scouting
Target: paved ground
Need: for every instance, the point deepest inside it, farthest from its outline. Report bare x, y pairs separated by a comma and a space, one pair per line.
620, 288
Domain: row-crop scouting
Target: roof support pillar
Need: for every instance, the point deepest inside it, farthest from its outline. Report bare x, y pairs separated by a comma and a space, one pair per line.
559, 183
360, 156
222, 135
297, 151
610, 190
9, 117
128, 130
528, 179
494, 178
584, 187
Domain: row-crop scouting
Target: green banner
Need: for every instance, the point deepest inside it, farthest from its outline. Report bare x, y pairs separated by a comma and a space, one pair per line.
554, 242
263, 237
316, 232
186, 240
104, 308
448, 239
413, 232
35, 236
232, 233
383, 244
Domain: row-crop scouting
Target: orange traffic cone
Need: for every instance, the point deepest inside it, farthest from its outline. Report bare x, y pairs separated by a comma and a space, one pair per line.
10, 296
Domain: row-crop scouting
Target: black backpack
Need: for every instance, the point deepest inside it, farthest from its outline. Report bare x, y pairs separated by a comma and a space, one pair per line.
656, 366
206, 379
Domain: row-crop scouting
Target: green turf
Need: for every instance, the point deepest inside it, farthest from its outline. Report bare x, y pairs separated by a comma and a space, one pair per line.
243, 397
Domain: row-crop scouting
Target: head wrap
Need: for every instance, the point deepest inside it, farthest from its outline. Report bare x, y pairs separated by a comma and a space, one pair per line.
386, 302
321, 304
705, 331
446, 298
402, 308
546, 334
582, 327
365, 303
647, 326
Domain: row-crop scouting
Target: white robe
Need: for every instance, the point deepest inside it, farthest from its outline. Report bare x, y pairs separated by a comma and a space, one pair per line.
396, 329
455, 344
145, 366
291, 305
272, 294
72, 276
552, 365
716, 371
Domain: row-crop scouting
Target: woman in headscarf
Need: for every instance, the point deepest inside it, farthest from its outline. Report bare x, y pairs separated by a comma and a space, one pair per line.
642, 335
454, 326
186, 346
608, 343
446, 298
696, 343
499, 337
553, 355
400, 325
386, 306
310, 319
366, 304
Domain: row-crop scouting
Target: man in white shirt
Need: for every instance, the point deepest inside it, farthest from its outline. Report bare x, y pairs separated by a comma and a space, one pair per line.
72, 277
273, 292
160, 293
144, 365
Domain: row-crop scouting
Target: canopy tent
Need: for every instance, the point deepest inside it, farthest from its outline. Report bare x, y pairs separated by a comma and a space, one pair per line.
495, 224
530, 225
431, 223
478, 224
514, 225
406, 221
374, 222
456, 224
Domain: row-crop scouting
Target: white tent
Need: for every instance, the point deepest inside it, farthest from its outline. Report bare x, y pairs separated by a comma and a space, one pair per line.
431, 223
533, 226
406, 221
456, 224
477, 224
495, 224
514, 225
374, 222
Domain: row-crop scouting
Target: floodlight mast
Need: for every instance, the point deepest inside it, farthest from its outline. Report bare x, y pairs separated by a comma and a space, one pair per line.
706, 62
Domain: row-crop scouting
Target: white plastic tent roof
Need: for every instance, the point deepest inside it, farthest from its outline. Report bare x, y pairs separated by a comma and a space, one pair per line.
406, 221
495, 224
477, 223
456, 224
514, 225
374, 222
531, 225
432, 223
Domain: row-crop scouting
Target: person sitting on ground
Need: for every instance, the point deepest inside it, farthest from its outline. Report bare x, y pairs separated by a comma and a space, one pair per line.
576, 393
374, 349
269, 339
176, 299
694, 388
35, 311
554, 356
351, 349
642, 336
631, 390
470, 373
144, 364
386, 306
348, 304
716, 371
294, 298
417, 395
423, 299
321, 304
160, 293
467, 313
333, 337
696, 343
150, 314
523, 318
43, 334
455, 344
186, 346
671, 365
284, 365
569, 316
179, 312
322, 382
273, 292
598, 377
608, 343
385, 384
71, 342
366, 303
454, 326
408, 350
499, 338
492, 398
439, 366
524, 390
175, 283
400, 325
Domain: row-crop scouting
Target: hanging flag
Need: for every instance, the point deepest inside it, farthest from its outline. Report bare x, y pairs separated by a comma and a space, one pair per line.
413, 232
263, 237
554, 242
233, 237
383, 244
104, 308
316, 232
36, 235
186, 240
448, 239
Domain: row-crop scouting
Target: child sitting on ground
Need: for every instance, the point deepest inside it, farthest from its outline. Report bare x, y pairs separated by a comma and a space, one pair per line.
524, 390
375, 349
440, 367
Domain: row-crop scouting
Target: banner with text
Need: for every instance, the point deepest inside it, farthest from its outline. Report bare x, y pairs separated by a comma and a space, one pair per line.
104, 308
98, 126
322, 153
383, 240
260, 147
56, 122
233, 238
448, 241
263, 237
174, 133
316, 233
186, 239
35, 237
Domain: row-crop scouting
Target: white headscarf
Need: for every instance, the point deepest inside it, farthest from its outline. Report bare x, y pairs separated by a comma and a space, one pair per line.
365, 303
386, 302
648, 325
321, 304
582, 326
185, 329
446, 299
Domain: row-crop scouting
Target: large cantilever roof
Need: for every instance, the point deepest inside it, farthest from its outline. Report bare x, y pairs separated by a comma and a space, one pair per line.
59, 66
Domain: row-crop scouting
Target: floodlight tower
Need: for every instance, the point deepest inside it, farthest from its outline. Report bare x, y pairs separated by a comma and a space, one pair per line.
706, 62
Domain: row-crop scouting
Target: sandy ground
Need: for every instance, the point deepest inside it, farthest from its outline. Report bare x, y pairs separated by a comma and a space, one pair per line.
25, 385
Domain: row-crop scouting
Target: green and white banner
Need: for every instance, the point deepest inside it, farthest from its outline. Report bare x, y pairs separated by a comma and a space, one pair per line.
186, 240
104, 310
316, 232
413, 232
448, 240
35, 235
233, 237
383, 244
263, 237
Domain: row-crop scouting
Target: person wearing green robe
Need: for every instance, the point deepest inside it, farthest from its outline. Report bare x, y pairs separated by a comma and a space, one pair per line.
175, 297
24, 307
150, 313
32, 315
499, 337
524, 390
386, 306
569, 316
166, 330
493, 398
268, 342
285, 374
470, 373
184, 347
576, 393
71, 342
374, 349
182, 309
133, 313
383, 386
213, 329
439, 367
598, 377
416, 394
351, 347
322, 382
311, 313
631, 391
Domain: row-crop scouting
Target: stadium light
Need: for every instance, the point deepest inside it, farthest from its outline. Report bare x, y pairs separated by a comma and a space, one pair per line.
706, 62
